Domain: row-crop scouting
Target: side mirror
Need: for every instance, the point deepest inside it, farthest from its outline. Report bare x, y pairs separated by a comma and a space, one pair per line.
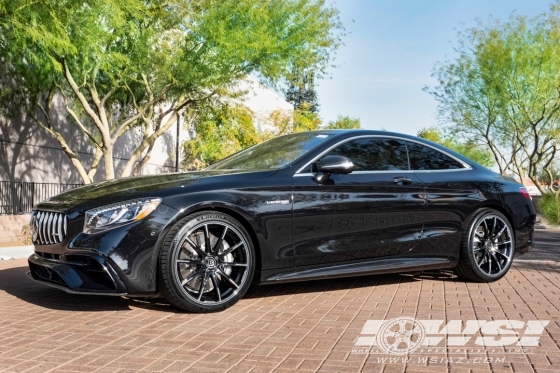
333, 164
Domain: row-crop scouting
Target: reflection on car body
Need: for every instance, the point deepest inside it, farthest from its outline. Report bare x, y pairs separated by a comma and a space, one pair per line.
309, 205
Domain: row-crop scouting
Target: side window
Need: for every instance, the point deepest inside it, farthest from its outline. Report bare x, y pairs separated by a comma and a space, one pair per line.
426, 158
374, 154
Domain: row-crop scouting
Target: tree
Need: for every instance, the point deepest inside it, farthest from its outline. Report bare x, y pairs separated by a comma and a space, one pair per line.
120, 65
468, 148
305, 119
301, 91
298, 120
344, 122
503, 91
554, 170
217, 131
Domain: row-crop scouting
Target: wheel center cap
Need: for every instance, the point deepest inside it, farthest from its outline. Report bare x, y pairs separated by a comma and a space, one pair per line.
210, 262
488, 245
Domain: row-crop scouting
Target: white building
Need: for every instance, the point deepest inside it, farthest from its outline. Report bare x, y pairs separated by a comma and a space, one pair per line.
29, 154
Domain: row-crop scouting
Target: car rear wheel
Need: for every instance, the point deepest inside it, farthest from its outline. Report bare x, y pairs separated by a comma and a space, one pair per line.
206, 263
488, 247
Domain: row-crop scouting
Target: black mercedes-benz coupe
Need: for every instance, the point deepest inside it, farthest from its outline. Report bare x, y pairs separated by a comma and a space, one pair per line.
303, 206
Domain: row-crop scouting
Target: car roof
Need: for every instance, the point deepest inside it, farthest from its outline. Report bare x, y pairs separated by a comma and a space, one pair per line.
345, 133
361, 132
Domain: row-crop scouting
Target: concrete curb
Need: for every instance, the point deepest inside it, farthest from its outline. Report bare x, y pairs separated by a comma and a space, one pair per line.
15, 252
549, 227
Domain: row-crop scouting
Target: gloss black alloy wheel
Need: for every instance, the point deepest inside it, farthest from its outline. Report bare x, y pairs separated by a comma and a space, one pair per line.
206, 263
488, 247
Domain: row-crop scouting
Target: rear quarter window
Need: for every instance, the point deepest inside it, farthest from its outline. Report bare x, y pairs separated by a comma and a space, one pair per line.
425, 158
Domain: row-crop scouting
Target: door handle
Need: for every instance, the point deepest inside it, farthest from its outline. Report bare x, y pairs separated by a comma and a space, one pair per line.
402, 181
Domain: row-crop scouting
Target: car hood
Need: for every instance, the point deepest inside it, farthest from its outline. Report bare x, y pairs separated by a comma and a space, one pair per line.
105, 192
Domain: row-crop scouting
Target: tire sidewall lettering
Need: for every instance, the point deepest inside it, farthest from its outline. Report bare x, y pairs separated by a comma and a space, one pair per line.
172, 290
209, 217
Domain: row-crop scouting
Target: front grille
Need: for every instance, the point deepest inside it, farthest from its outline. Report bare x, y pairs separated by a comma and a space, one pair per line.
48, 228
48, 255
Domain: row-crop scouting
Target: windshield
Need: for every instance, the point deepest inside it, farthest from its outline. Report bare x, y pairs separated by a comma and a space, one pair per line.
272, 154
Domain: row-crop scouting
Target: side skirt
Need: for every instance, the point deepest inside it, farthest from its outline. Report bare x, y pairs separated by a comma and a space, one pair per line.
373, 267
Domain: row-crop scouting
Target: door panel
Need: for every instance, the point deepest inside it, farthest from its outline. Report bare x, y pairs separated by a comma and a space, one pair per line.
314, 216
379, 208
451, 198
376, 216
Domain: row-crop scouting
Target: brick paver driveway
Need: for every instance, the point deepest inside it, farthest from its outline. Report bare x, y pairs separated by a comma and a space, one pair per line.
309, 326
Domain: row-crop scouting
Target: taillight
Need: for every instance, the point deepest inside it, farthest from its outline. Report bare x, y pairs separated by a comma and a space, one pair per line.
524, 192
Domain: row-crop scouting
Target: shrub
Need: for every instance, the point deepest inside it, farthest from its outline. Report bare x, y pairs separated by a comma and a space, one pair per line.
550, 207
25, 235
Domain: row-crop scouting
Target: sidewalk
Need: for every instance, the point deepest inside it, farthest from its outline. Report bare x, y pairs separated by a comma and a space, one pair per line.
298, 327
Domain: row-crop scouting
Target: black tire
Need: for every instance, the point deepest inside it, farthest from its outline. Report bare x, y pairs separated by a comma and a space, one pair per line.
198, 280
487, 248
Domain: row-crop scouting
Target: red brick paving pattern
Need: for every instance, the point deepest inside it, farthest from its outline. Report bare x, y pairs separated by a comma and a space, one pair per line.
304, 327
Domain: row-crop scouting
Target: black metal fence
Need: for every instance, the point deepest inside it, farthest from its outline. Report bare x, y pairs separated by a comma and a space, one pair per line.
17, 197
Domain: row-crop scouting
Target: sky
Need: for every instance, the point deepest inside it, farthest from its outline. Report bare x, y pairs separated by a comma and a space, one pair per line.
390, 51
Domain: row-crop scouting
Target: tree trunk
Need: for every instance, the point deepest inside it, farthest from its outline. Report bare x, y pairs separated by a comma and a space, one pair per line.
537, 183
143, 161
147, 142
108, 161
64, 146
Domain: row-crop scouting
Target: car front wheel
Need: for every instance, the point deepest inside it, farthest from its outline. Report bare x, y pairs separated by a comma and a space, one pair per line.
488, 247
206, 263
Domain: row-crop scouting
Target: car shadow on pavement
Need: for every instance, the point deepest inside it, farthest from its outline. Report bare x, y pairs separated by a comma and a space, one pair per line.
326, 285
15, 282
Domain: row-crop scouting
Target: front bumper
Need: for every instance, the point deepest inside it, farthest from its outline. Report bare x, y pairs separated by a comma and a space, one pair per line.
77, 274
119, 261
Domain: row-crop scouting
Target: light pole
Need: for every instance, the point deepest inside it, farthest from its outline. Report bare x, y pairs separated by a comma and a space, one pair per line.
177, 143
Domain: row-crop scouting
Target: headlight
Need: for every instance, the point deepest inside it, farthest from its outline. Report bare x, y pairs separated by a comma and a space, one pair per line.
111, 216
